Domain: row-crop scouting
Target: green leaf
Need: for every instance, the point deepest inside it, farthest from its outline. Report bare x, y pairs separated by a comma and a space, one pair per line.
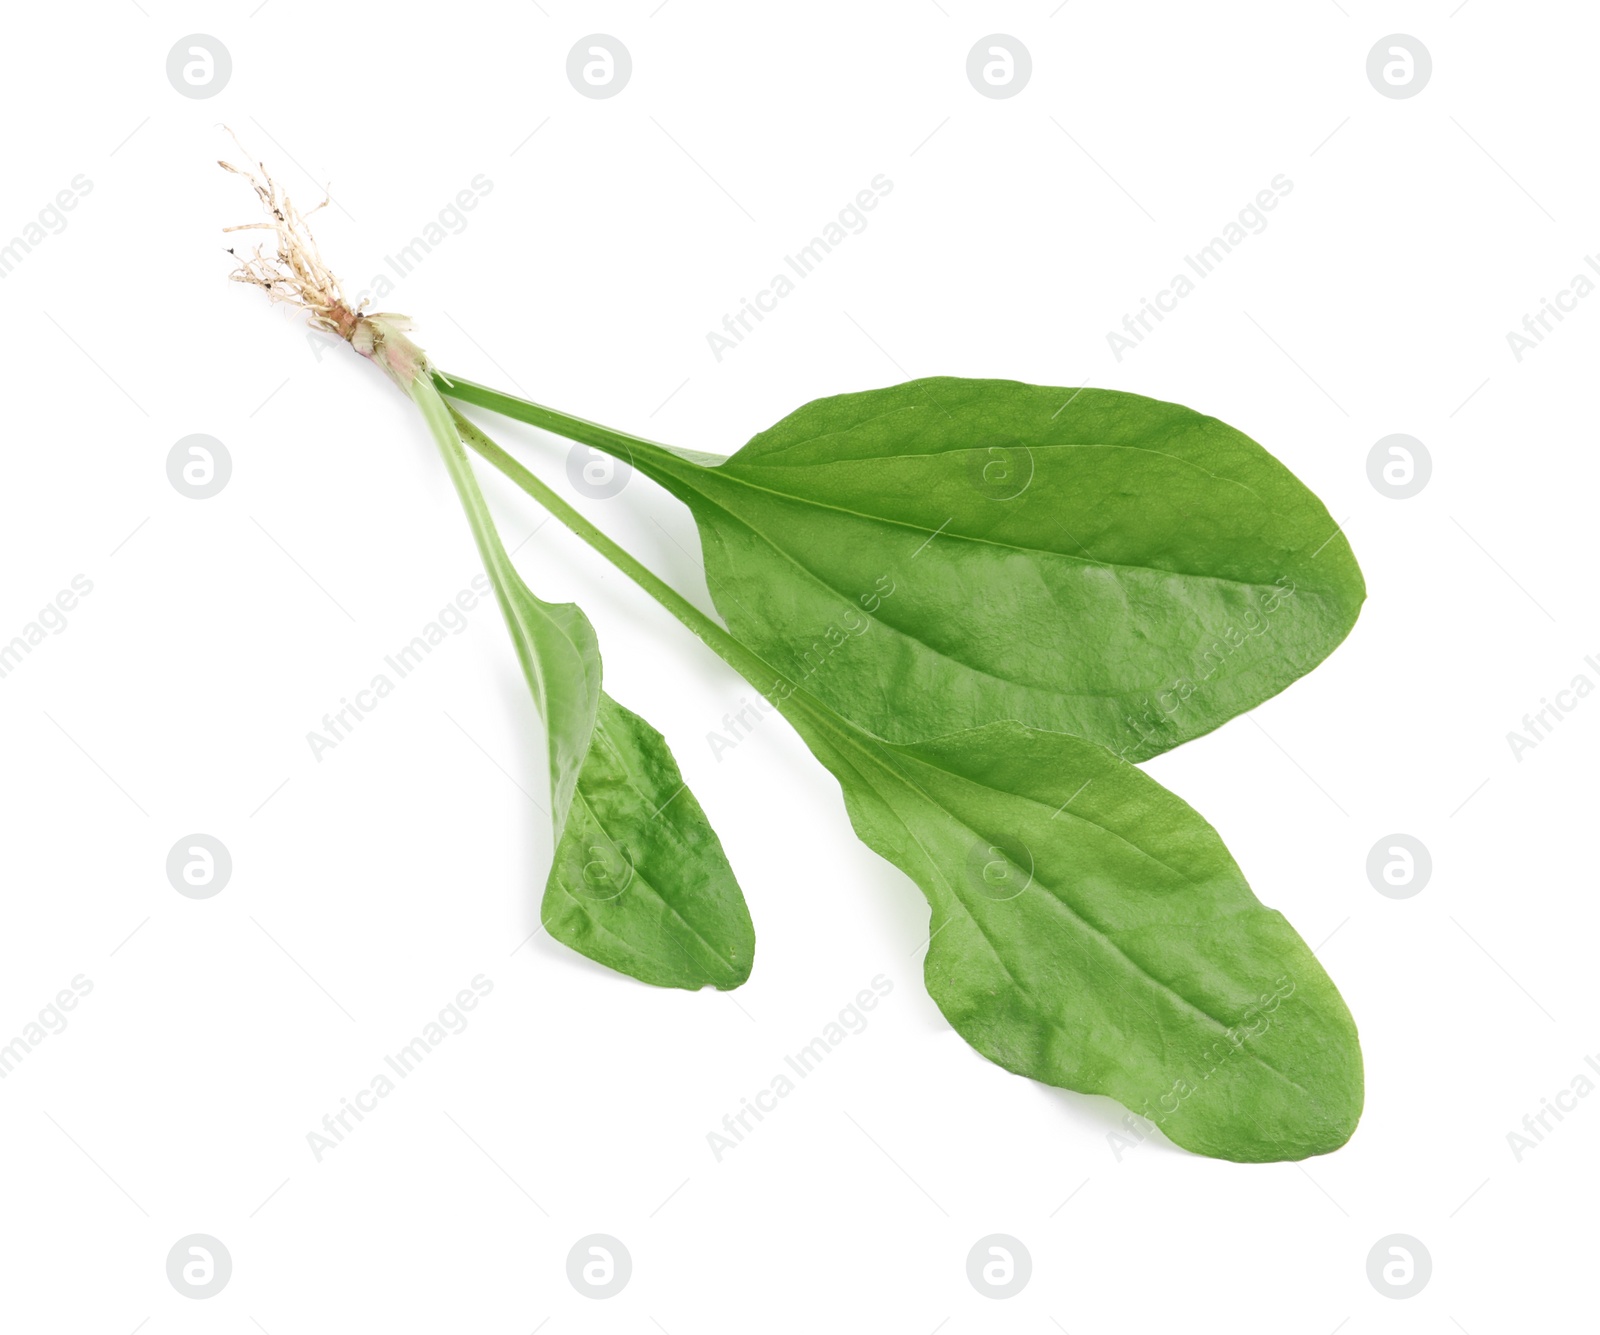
639, 881
1088, 927
1090, 930
947, 553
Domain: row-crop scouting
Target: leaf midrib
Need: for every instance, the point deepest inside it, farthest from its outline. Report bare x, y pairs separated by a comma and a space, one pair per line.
714, 951
657, 471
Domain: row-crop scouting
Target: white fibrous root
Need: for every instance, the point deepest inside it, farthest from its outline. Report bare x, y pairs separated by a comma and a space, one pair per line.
296, 274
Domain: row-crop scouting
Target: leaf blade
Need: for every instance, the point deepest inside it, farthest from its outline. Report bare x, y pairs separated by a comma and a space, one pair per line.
1086, 561
612, 783
616, 891
1083, 561
1121, 952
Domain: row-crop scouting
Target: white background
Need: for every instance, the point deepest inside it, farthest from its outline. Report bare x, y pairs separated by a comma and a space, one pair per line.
369, 888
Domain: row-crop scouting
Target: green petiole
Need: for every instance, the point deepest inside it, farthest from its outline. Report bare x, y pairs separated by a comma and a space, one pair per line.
730, 650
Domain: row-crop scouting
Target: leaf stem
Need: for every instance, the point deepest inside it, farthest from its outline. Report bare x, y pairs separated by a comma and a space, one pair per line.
735, 654
438, 416
832, 740
651, 455
517, 602
656, 461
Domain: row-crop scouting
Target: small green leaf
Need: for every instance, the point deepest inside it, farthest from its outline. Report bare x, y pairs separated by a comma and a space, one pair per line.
1079, 560
639, 881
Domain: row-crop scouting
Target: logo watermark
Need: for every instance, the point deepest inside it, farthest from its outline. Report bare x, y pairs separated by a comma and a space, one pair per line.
451, 620
849, 221
1537, 1125
999, 1266
49, 221
999, 66
599, 66
1253, 1024
199, 466
1537, 326
1143, 720
1399, 467
449, 221
1399, 1266
51, 619
199, 66
1399, 66
199, 866
852, 1019
199, 1266
1540, 725
1399, 866
736, 726
596, 474
1250, 221
599, 1266
451, 1019
52, 1019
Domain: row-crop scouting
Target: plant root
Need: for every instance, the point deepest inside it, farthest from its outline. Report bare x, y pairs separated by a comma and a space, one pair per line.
296, 273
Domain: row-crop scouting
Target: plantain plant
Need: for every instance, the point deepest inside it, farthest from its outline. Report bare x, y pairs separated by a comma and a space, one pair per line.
1015, 591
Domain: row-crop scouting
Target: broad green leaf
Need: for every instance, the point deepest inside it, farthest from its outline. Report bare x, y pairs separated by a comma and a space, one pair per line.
1090, 930
639, 881
1088, 927
948, 553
